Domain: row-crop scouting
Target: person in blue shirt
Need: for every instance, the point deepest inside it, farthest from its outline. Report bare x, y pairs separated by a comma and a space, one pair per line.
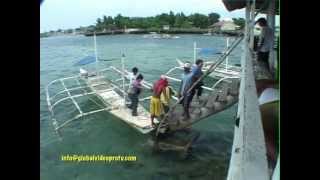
197, 73
265, 43
187, 81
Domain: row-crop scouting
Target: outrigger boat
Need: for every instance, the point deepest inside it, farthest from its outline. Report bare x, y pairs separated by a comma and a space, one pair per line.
110, 89
111, 92
110, 86
223, 70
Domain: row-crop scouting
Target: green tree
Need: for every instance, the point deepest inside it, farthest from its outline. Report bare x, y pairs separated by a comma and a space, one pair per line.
180, 19
151, 22
110, 24
186, 24
162, 19
213, 18
99, 25
105, 19
171, 19
240, 22
119, 21
199, 20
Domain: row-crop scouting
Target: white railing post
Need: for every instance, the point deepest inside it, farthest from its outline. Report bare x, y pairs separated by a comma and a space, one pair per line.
95, 51
227, 58
123, 80
194, 52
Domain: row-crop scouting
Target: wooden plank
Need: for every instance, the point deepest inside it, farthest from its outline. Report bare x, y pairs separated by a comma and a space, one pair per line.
141, 122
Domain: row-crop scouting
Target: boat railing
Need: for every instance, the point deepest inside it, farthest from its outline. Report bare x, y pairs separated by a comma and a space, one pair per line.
224, 65
204, 87
61, 80
53, 100
248, 157
223, 79
174, 68
125, 73
51, 97
228, 70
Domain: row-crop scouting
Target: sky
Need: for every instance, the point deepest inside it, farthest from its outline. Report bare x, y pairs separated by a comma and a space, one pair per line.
65, 14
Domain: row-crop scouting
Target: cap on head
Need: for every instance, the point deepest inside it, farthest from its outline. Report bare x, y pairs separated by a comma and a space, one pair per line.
187, 65
262, 21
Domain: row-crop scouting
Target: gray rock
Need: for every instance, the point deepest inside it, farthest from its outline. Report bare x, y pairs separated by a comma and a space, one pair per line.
204, 110
210, 104
230, 98
217, 106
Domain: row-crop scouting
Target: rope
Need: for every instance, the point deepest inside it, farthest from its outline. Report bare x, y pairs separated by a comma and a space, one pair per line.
209, 71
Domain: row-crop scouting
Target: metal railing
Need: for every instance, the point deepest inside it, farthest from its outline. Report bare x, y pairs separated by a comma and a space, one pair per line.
248, 159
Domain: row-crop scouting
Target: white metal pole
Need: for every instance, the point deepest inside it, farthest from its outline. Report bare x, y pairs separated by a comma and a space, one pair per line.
227, 58
95, 51
123, 80
194, 52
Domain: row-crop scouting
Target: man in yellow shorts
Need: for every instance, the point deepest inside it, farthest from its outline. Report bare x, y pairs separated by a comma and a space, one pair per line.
165, 98
155, 103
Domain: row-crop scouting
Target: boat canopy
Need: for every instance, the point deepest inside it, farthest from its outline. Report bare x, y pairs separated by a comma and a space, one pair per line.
85, 61
262, 5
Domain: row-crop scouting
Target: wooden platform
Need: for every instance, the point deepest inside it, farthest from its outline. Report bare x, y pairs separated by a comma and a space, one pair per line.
141, 122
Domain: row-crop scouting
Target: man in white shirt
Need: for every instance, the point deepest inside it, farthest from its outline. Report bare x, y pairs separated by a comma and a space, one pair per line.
265, 42
133, 75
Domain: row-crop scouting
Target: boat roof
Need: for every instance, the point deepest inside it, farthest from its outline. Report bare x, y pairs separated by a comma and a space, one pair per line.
262, 5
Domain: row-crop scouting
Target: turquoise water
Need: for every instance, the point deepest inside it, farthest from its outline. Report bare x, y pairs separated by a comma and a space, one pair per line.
104, 134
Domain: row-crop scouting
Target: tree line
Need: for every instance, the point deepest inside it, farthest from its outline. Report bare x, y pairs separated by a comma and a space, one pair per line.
178, 20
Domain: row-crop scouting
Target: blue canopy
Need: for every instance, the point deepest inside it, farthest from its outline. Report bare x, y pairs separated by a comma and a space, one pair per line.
86, 60
209, 51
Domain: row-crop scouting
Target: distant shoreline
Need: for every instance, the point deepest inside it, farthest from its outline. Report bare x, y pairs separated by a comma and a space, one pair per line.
147, 31
161, 31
